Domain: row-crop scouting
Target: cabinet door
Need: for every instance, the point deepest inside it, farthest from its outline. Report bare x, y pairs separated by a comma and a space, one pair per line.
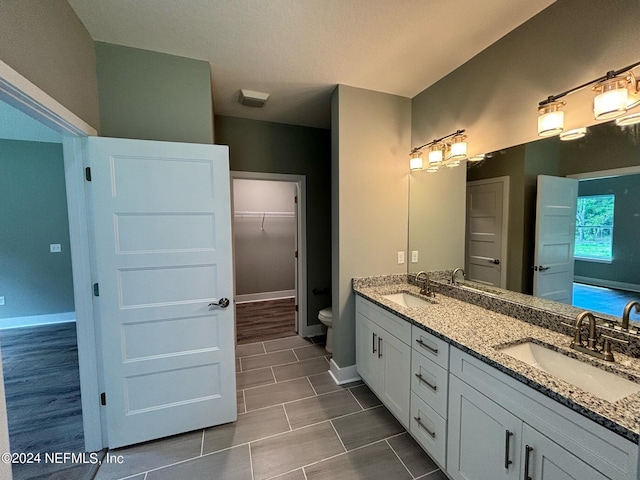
367, 351
546, 460
395, 367
483, 439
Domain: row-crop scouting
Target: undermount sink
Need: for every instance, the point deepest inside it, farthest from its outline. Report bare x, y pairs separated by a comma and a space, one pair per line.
407, 300
605, 385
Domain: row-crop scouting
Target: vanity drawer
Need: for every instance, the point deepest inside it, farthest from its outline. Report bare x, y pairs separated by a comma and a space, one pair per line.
430, 382
430, 346
429, 429
393, 324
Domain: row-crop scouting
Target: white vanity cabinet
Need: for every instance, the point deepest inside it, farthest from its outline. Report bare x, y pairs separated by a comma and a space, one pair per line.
429, 392
500, 428
383, 356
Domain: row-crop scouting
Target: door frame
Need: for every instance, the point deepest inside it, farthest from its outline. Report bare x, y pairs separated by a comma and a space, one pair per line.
505, 224
304, 330
20, 93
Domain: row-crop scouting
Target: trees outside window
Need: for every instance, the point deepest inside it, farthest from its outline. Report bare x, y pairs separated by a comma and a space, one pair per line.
594, 227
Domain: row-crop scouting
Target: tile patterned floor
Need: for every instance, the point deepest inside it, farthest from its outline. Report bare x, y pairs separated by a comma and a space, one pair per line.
294, 423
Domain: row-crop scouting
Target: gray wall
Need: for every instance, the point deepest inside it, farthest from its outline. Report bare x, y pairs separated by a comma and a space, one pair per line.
257, 146
153, 96
45, 42
625, 266
32, 193
264, 248
370, 172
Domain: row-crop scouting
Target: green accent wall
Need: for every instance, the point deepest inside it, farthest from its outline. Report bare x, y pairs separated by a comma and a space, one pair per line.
625, 266
153, 96
257, 146
34, 200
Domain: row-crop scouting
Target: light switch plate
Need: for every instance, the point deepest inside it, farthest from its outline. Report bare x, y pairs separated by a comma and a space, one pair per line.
55, 248
400, 257
414, 256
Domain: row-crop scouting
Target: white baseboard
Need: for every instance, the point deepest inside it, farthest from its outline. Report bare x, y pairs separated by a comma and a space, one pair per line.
17, 322
262, 296
343, 375
632, 287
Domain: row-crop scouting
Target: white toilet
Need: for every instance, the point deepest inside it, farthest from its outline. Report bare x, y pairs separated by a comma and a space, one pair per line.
326, 317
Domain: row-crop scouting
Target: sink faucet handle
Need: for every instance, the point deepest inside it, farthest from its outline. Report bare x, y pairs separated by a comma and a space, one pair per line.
607, 354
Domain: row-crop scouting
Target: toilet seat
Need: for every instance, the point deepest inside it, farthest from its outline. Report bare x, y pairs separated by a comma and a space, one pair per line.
326, 316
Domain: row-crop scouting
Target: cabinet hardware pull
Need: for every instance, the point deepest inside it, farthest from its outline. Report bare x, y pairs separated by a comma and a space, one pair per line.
421, 378
373, 347
379, 346
428, 347
431, 434
528, 450
507, 440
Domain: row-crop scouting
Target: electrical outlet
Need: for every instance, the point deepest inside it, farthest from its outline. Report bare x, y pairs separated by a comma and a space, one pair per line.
55, 248
400, 257
1, 300
414, 256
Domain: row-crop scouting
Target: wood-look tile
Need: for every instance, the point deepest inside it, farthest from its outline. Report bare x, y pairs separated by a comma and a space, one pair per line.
267, 360
254, 378
286, 343
317, 409
276, 393
412, 455
312, 351
232, 464
152, 455
365, 396
238, 365
437, 475
240, 402
373, 462
295, 475
300, 369
288, 451
250, 349
323, 383
366, 427
249, 427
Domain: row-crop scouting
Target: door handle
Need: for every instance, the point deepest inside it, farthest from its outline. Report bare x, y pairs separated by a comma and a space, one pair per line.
527, 453
222, 303
507, 440
495, 261
379, 346
542, 269
373, 346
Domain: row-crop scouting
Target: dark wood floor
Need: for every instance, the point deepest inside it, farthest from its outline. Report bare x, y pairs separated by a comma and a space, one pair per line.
42, 388
266, 320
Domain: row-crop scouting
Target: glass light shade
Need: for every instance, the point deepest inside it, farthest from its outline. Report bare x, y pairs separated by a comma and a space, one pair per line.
455, 163
435, 154
433, 168
574, 134
459, 147
628, 119
611, 100
415, 162
476, 158
550, 119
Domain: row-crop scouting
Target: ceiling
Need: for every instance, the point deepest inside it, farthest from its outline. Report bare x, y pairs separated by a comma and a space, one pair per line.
298, 50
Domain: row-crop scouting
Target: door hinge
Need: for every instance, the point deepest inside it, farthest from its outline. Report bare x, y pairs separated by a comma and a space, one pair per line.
103, 398
296, 254
96, 290
295, 199
296, 308
87, 174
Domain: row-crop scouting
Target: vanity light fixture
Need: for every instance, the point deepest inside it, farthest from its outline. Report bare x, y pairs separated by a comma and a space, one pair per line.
476, 158
628, 119
616, 92
444, 151
574, 134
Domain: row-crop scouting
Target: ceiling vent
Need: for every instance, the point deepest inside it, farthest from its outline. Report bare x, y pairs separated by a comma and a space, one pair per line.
251, 98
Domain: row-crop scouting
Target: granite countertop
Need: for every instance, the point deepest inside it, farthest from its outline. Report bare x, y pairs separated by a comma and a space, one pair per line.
478, 331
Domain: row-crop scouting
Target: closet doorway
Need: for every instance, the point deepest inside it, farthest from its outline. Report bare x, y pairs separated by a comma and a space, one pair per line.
269, 255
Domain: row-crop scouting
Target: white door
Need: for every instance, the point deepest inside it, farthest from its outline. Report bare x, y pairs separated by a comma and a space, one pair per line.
162, 225
555, 238
485, 260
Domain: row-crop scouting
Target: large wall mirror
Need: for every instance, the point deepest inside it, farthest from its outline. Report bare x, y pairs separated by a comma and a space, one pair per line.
605, 165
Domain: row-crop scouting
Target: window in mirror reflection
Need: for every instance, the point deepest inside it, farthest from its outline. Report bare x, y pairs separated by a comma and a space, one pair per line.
594, 228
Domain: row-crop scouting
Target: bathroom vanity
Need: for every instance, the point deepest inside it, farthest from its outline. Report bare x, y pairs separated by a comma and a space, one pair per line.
459, 378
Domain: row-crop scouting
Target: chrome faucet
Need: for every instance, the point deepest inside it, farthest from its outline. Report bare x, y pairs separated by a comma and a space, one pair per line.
454, 273
426, 286
627, 312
